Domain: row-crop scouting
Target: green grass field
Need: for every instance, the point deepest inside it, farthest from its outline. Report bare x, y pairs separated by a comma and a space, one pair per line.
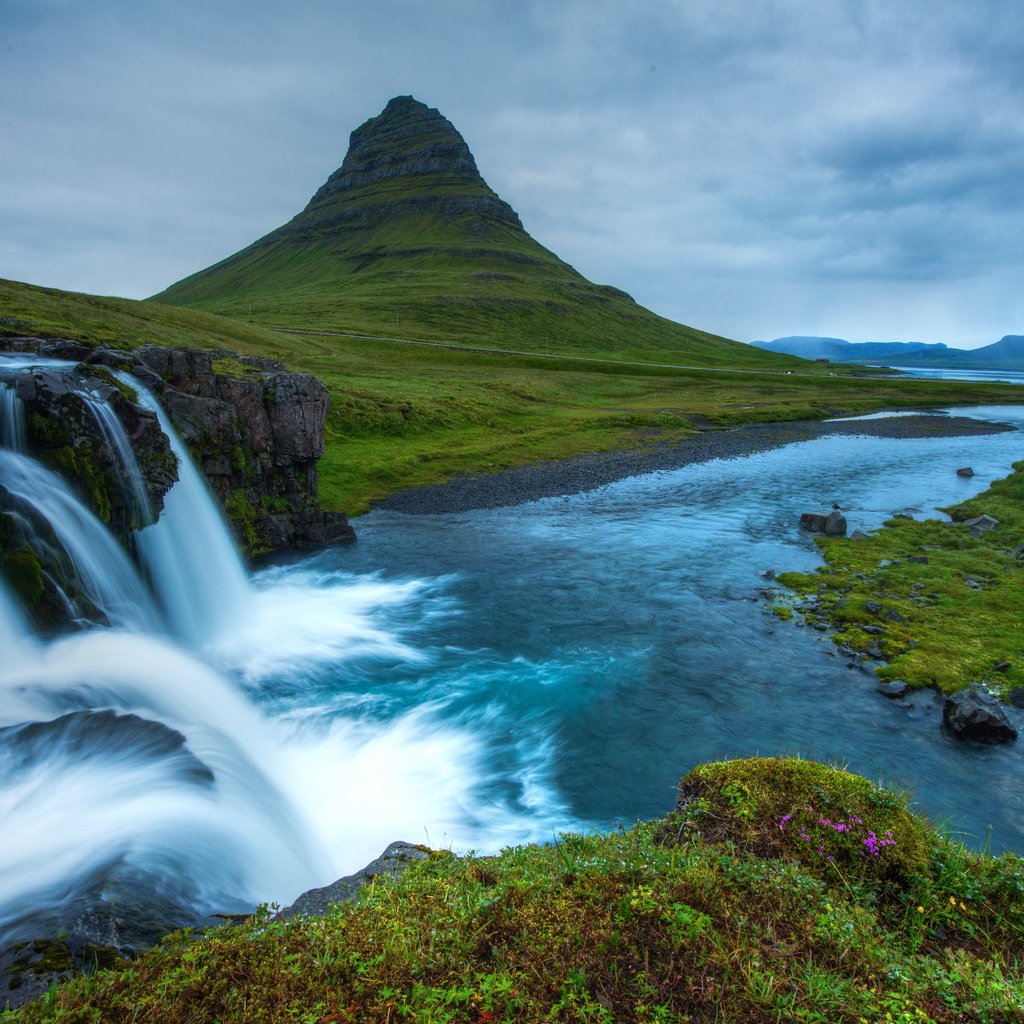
405, 415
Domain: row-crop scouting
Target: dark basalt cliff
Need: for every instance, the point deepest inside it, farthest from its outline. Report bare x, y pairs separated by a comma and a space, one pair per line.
254, 429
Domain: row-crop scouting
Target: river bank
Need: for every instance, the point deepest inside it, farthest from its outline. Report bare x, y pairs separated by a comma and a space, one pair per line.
575, 475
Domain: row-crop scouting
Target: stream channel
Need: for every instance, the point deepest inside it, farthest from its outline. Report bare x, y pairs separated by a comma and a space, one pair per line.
475, 680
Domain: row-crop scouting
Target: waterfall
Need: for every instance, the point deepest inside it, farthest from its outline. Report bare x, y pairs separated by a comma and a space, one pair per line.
12, 419
203, 754
132, 484
189, 553
14, 631
101, 568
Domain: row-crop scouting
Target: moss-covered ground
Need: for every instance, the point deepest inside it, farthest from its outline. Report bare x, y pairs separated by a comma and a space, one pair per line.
407, 415
778, 891
942, 604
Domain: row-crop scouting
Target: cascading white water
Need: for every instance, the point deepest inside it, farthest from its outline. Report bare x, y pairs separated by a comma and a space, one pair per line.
12, 419
189, 553
103, 571
170, 750
132, 484
14, 631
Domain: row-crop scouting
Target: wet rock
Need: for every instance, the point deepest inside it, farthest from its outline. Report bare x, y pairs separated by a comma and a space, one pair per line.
395, 859
64, 432
965, 471
1002, 666
975, 715
858, 535
902, 515
894, 689
1016, 697
833, 524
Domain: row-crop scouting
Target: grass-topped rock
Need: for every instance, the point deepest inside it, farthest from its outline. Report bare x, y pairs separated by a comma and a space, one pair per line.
933, 603
732, 920
840, 827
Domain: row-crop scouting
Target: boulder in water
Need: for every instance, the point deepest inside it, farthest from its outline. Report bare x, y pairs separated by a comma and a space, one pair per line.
975, 715
833, 524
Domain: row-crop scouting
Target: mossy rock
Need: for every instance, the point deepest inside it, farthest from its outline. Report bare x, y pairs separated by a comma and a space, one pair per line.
841, 826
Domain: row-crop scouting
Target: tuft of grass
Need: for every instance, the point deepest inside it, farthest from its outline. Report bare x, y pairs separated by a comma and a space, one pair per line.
940, 605
714, 913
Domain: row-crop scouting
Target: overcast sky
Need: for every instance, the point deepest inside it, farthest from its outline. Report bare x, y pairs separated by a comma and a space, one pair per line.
837, 167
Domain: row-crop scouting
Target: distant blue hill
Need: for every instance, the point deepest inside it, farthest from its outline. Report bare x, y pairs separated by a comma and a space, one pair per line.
1006, 354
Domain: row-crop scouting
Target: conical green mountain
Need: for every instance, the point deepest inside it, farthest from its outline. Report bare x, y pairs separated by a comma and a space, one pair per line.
407, 240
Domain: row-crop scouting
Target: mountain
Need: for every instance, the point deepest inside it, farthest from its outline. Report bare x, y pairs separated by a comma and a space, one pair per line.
407, 240
1006, 354
841, 351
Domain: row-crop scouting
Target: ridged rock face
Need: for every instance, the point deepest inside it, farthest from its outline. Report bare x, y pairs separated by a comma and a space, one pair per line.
408, 140
255, 430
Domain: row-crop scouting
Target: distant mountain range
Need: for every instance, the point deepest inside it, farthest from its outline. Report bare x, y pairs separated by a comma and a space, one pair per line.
1005, 354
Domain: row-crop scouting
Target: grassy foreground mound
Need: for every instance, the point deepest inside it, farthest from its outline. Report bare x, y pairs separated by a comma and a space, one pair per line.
409, 415
941, 602
778, 890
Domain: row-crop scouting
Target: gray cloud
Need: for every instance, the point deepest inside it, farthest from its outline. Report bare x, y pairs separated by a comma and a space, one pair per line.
756, 169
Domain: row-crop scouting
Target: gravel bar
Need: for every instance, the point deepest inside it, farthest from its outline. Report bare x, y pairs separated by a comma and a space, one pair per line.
553, 479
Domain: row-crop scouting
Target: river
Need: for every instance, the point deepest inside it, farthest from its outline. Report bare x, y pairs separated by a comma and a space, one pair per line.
475, 680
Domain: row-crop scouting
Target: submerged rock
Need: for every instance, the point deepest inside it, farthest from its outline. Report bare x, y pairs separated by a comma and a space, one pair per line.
894, 689
975, 715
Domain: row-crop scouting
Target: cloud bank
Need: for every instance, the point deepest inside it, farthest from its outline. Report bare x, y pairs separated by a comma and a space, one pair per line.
756, 169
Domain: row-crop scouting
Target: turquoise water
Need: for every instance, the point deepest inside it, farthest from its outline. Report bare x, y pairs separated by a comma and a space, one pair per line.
471, 680
598, 646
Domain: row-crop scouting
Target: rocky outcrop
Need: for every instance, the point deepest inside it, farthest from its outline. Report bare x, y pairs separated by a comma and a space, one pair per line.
408, 139
395, 859
69, 418
255, 429
833, 524
974, 715
64, 430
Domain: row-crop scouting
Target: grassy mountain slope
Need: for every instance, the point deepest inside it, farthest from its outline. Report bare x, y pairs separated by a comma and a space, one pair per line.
404, 415
406, 239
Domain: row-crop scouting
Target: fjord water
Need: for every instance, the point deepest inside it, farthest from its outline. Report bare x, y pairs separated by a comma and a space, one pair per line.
470, 680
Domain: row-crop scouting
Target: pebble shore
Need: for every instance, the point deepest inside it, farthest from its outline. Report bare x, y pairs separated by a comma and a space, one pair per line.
581, 473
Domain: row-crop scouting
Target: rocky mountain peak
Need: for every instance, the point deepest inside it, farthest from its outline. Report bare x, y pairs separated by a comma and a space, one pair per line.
407, 139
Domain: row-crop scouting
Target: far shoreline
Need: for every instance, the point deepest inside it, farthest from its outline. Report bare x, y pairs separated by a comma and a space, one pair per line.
518, 485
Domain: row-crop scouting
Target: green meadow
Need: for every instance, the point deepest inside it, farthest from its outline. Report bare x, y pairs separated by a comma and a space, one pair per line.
403, 415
